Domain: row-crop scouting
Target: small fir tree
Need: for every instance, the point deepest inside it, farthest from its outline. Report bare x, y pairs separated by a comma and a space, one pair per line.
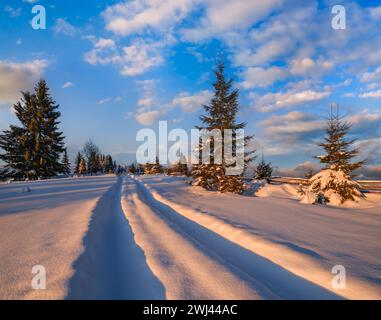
82, 167
66, 164
335, 182
77, 163
263, 171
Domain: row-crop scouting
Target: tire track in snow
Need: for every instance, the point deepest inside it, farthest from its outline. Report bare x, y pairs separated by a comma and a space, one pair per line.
176, 259
112, 266
299, 264
193, 262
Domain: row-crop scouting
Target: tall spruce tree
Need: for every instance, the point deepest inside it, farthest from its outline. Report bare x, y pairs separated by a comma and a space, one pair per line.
33, 150
221, 114
52, 143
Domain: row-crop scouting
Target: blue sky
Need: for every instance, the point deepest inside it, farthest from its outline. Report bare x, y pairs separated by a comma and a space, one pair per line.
118, 66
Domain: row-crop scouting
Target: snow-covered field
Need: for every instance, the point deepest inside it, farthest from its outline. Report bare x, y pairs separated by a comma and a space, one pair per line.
156, 237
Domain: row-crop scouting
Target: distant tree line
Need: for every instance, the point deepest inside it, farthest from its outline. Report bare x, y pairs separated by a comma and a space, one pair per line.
92, 161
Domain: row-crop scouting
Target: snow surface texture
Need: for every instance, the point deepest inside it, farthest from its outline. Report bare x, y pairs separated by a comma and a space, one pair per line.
44, 227
156, 237
304, 239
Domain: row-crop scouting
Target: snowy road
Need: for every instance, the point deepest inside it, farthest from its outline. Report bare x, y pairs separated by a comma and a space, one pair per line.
306, 240
192, 262
123, 238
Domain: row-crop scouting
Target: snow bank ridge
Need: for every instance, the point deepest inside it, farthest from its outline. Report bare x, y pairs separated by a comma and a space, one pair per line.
299, 264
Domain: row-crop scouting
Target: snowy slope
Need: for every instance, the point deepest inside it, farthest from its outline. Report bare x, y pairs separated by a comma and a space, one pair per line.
304, 239
158, 238
44, 227
192, 262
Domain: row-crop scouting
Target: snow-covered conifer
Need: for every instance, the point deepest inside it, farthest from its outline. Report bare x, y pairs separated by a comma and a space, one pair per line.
220, 114
335, 182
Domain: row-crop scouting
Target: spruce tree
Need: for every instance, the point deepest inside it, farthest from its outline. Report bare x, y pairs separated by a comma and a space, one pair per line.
33, 150
77, 163
153, 168
92, 154
82, 167
264, 170
51, 144
132, 168
221, 114
66, 164
338, 149
109, 164
335, 182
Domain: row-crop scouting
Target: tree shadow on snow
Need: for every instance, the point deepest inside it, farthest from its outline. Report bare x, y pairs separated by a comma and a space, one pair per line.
269, 279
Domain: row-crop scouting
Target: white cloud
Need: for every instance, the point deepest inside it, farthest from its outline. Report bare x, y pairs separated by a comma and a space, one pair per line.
309, 67
64, 27
266, 53
147, 118
191, 103
365, 122
260, 77
132, 17
292, 123
222, 16
274, 101
105, 43
291, 132
375, 12
372, 76
15, 77
371, 94
103, 56
370, 149
109, 100
67, 85
146, 102
132, 60
140, 57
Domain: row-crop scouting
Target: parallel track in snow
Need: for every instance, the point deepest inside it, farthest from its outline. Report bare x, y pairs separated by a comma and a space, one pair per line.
192, 262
